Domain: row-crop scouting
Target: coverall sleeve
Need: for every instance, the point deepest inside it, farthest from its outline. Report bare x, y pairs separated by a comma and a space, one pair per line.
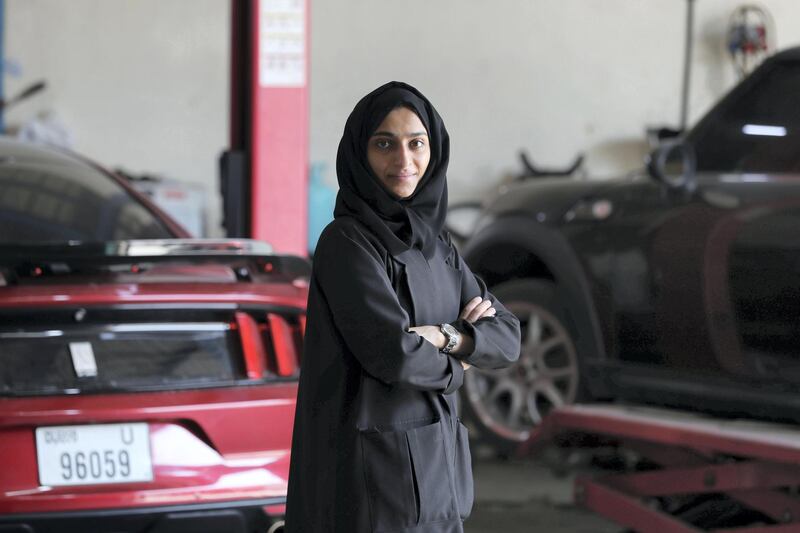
497, 338
373, 324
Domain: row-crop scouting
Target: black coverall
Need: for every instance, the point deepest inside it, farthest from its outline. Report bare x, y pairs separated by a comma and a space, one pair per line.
377, 444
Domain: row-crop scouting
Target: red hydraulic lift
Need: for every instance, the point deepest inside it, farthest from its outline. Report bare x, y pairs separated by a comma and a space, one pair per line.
265, 171
756, 464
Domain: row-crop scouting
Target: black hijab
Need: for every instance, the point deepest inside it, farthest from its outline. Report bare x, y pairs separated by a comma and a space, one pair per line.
399, 223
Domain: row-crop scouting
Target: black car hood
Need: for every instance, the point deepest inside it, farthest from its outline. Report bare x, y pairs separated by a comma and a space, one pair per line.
546, 198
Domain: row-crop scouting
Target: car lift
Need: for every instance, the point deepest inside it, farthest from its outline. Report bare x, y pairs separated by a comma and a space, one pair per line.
756, 464
264, 171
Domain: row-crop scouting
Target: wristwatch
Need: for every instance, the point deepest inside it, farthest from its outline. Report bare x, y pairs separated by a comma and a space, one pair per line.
452, 335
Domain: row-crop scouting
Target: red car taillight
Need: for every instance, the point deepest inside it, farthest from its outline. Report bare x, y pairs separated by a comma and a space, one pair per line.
272, 347
286, 358
255, 357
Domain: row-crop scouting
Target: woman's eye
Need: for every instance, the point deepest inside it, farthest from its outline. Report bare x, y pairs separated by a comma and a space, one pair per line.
382, 144
417, 143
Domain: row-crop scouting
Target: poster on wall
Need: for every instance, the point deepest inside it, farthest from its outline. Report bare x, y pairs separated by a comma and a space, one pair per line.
282, 43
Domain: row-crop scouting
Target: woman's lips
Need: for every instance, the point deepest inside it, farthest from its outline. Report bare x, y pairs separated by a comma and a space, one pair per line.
402, 176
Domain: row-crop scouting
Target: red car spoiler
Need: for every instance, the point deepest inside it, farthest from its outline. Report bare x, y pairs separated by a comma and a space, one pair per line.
63, 258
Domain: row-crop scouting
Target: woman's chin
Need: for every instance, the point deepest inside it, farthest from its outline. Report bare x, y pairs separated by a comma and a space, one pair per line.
403, 192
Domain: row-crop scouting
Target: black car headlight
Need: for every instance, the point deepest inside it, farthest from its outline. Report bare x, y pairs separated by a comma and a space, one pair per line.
595, 210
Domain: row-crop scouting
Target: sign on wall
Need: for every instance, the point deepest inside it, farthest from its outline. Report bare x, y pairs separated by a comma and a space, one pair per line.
282, 43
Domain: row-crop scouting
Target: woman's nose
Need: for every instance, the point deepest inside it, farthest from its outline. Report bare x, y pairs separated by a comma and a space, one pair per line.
404, 156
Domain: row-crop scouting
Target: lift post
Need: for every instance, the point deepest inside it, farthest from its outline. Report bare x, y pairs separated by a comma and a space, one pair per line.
755, 464
264, 173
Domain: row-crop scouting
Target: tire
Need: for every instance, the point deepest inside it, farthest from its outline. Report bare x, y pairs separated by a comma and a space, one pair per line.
505, 405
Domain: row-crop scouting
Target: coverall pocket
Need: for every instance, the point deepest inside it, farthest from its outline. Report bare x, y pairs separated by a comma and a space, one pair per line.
389, 480
463, 473
432, 476
409, 478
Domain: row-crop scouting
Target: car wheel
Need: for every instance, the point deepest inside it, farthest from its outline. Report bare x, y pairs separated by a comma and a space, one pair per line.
505, 405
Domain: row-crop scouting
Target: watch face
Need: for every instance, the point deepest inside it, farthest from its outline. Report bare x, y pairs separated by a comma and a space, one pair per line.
450, 330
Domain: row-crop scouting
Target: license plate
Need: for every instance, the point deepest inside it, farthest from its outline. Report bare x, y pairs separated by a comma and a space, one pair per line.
93, 454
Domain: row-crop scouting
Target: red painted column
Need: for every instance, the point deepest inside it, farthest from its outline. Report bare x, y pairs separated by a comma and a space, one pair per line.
279, 158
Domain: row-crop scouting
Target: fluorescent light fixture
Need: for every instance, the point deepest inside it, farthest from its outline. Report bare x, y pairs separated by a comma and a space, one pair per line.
761, 129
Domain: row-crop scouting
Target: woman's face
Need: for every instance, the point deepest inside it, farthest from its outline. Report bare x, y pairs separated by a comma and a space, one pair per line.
398, 152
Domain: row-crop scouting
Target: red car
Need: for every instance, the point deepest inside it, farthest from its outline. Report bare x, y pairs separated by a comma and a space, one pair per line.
147, 380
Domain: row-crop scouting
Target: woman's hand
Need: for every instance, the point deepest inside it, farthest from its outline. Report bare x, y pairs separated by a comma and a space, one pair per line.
477, 308
434, 335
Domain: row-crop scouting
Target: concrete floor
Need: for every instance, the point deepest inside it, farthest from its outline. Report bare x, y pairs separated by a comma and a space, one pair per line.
516, 496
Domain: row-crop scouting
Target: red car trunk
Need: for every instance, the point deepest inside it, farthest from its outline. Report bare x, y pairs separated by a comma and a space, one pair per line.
219, 431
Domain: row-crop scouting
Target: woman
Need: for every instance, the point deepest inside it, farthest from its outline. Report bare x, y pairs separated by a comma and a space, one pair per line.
395, 318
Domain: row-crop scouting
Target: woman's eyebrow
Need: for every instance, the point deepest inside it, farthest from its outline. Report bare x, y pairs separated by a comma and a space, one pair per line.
390, 134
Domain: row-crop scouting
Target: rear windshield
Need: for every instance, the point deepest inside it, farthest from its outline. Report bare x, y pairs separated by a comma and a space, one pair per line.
48, 202
757, 132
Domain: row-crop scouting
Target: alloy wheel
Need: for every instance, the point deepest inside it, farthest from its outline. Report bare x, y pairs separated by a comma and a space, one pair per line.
511, 401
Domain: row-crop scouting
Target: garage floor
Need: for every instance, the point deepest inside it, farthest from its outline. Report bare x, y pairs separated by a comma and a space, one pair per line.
516, 496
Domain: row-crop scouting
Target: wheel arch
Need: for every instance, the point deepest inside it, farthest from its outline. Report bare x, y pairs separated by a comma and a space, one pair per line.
516, 247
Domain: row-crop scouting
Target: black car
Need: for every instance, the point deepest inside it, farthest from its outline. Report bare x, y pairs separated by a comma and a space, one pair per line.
674, 288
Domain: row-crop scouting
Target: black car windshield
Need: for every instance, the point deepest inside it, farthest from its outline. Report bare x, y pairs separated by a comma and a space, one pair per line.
58, 199
756, 131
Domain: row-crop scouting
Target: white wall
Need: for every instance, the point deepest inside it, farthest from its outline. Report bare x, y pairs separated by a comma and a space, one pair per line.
141, 84
553, 76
